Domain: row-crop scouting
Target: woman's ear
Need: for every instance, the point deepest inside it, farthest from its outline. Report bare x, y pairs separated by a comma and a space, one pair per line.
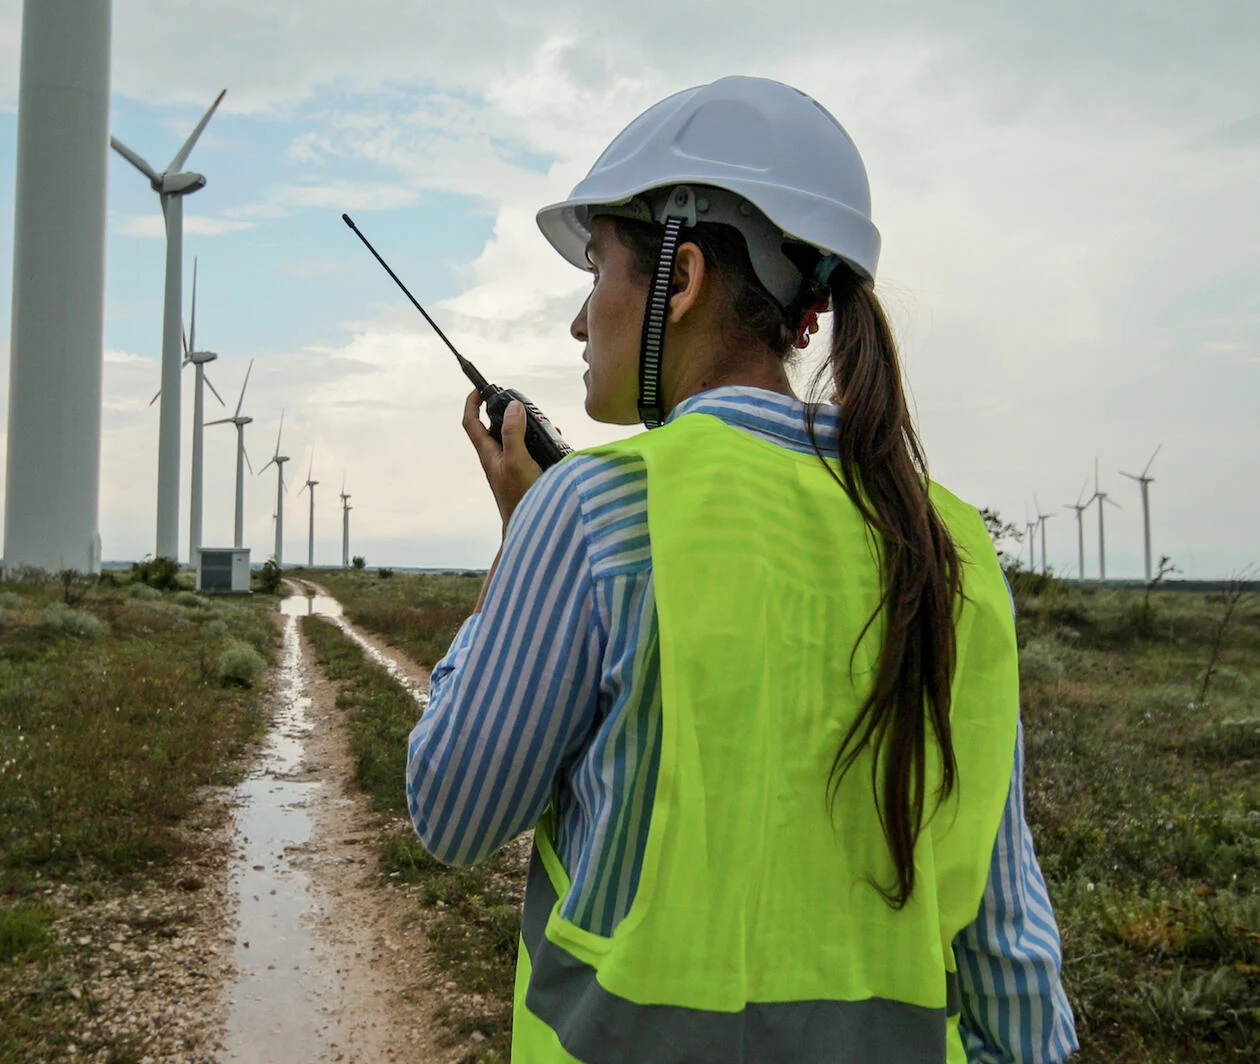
690, 270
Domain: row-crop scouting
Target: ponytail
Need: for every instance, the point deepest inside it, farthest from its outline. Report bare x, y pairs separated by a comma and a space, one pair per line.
883, 470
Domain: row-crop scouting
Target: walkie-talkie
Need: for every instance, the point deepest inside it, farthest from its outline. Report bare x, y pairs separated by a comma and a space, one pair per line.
545, 445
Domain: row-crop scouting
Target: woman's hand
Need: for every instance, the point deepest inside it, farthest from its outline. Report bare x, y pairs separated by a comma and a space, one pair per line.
509, 469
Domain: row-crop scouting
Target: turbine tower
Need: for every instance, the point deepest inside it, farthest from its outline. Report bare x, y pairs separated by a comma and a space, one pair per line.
278, 461
171, 185
242, 459
1080, 508
1144, 482
345, 525
310, 486
1102, 498
53, 461
1041, 522
198, 359
1030, 530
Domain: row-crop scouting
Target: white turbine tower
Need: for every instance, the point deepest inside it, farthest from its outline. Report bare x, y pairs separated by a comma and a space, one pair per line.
1101, 496
242, 459
199, 359
278, 461
345, 525
1030, 530
1080, 509
310, 486
1041, 522
53, 460
1144, 482
172, 185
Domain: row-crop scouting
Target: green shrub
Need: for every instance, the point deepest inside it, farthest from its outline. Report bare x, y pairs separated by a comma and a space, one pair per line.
76, 623
189, 598
23, 931
269, 577
358, 561
161, 573
144, 592
241, 664
11, 601
1038, 660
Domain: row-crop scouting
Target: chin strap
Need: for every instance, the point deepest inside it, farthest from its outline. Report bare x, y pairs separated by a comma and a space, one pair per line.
680, 210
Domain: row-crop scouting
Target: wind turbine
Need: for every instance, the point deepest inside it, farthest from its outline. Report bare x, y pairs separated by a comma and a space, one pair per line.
1080, 508
172, 185
1101, 496
345, 525
1143, 481
278, 461
198, 359
242, 459
310, 486
1030, 530
1041, 521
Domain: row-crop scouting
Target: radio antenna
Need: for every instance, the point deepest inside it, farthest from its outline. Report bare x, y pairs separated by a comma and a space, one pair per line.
470, 371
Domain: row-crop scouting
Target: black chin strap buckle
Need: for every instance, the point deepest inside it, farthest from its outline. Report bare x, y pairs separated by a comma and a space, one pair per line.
680, 210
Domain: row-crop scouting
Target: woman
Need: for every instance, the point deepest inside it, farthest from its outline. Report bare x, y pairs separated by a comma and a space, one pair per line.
750, 676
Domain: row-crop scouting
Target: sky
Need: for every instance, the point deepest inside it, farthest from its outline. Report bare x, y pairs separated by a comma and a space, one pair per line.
1067, 195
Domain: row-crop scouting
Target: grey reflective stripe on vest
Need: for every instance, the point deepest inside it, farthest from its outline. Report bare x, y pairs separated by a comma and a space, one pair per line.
599, 1027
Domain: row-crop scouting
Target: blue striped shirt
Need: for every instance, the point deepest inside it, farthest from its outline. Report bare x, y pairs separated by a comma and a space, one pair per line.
552, 692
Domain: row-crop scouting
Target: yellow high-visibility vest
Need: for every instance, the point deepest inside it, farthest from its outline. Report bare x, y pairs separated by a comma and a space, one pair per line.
756, 934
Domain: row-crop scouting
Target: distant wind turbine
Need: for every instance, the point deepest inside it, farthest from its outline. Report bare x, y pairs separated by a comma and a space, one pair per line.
1030, 530
1041, 522
1102, 498
1080, 509
1144, 481
242, 459
310, 486
172, 185
278, 461
198, 359
345, 525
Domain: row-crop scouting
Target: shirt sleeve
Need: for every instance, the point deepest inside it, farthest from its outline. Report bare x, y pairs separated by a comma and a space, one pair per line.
1014, 1008
517, 693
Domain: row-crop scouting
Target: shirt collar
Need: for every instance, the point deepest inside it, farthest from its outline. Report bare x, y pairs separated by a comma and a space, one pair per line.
780, 417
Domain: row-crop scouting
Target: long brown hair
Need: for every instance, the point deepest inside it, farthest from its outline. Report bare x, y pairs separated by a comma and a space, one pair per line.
884, 472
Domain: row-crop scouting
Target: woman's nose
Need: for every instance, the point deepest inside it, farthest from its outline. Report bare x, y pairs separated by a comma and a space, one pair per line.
578, 328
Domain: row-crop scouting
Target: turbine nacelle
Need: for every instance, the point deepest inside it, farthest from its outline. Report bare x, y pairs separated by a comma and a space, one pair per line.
183, 184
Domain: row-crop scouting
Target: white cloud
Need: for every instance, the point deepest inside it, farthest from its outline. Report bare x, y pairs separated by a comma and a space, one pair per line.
154, 226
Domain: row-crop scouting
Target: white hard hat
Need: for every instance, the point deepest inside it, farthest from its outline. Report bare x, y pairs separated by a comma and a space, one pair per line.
768, 143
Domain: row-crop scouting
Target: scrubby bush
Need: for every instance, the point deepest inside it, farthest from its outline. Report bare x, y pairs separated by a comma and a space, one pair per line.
269, 577
77, 623
384, 573
241, 664
161, 573
358, 561
190, 599
144, 592
11, 601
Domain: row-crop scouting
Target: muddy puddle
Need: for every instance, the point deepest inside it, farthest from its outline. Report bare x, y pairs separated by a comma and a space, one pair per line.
287, 1002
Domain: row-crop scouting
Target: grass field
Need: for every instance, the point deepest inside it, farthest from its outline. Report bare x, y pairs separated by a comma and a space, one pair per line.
417, 614
1142, 795
114, 711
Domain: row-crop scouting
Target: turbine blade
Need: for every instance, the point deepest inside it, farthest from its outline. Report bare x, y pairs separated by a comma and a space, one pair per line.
134, 159
181, 156
1131, 476
245, 455
183, 335
270, 462
222, 421
280, 430
213, 389
156, 397
245, 385
1148, 464
1081, 494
